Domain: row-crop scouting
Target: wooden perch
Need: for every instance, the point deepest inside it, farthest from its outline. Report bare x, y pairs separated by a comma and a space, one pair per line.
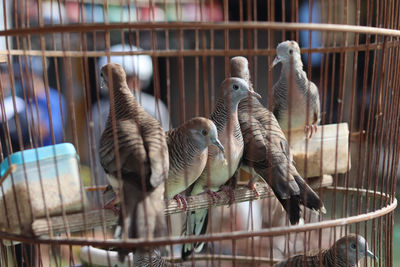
94, 219
202, 201
3, 58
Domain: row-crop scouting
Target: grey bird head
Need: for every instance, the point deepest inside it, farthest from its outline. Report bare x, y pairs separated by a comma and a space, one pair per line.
285, 51
204, 132
239, 67
356, 247
112, 74
235, 89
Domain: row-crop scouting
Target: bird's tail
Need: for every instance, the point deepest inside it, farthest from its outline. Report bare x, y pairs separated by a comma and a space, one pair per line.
142, 218
129, 222
308, 197
285, 188
196, 223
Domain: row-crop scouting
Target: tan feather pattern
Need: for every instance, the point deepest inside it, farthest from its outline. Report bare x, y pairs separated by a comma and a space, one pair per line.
267, 151
303, 105
142, 153
225, 113
188, 149
346, 251
146, 259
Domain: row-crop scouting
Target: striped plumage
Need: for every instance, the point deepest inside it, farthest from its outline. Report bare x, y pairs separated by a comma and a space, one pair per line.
267, 151
188, 149
346, 251
302, 91
220, 117
221, 165
142, 153
142, 259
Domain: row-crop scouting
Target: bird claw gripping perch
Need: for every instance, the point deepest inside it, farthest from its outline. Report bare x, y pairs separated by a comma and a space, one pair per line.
252, 187
310, 129
182, 202
230, 193
112, 205
213, 195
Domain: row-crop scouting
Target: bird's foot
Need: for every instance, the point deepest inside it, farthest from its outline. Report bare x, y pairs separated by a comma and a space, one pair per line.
107, 189
182, 202
309, 130
112, 205
252, 187
213, 195
230, 192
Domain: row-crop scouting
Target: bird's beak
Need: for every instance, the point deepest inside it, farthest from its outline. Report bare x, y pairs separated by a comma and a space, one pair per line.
216, 142
371, 255
276, 61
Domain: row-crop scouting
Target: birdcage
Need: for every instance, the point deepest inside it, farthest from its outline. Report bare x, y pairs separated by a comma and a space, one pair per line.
176, 55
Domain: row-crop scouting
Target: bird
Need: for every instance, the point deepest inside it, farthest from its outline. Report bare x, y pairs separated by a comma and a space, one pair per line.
346, 251
142, 162
301, 106
221, 165
188, 150
143, 259
267, 153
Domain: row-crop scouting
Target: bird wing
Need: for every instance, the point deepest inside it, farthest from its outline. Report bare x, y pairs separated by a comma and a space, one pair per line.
254, 143
314, 99
131, 150
276, 103
267, 151
156, 146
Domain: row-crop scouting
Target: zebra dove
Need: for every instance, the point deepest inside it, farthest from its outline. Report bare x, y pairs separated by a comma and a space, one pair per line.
346, 251
221, 165
301, 105
188, 150
267, 152
133, 145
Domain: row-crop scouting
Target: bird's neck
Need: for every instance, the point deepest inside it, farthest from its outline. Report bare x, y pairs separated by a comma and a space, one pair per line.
125, 104
297, 74
184, 138
292, 66
227, 107
225, 112
334, 259
328, 257
181, 140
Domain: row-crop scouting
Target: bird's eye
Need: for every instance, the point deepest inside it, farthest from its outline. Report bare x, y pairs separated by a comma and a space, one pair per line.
235, 86
291, 51
101, 74
353, 246
204, 132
